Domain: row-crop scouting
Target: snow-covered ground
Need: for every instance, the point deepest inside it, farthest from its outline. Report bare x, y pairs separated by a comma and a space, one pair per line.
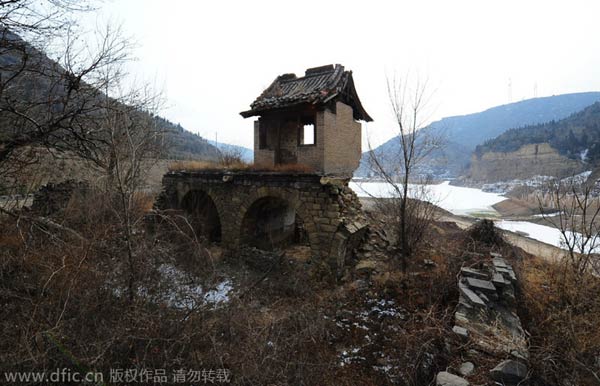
543, 233
182, 290
185, 293
469, 201
455, 199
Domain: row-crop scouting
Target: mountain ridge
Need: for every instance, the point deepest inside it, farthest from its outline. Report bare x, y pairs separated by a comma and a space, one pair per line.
462, 133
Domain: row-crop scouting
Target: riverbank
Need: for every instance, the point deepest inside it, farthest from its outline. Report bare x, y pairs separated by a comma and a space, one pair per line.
535, 247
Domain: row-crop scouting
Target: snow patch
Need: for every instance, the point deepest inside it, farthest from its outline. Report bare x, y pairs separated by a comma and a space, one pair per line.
455, 199
545, 234
182, 291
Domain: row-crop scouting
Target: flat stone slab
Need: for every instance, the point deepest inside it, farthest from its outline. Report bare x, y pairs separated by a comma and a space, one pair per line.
498, 279
512, 275
470, 272
470, 296
484, 285
495, 254
444, 378
499, 262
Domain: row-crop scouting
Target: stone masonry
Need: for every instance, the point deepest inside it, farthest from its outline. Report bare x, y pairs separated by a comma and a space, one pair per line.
328, 210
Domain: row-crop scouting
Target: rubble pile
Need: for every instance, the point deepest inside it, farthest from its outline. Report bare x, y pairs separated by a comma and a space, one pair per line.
486, 320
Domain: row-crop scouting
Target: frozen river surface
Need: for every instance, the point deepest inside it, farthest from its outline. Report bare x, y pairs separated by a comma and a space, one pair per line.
465, 201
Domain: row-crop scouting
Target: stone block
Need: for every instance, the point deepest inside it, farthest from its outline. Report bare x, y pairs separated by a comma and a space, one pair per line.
498, 280
445, 378
470, 296
509, 372
483, 285
466, 369
499, 262
469, 272
461, 331
328, 228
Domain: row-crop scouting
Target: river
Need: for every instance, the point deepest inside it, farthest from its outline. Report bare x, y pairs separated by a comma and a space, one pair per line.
465, 202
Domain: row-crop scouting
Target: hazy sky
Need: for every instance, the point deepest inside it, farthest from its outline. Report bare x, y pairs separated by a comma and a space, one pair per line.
212, 58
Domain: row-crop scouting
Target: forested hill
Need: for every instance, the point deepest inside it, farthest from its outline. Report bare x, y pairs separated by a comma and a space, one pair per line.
474, 129
38, 78
183, 144
576, 137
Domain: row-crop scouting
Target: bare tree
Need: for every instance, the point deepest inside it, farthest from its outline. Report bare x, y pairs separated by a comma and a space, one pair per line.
78, 105
231, 156
49, 106
410, 212
130, 143
577, 217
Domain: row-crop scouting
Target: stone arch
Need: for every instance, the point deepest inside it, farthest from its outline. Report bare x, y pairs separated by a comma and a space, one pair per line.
205, 215
278, 212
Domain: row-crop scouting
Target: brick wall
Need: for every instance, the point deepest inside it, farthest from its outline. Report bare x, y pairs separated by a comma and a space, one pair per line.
342, 141
338, 142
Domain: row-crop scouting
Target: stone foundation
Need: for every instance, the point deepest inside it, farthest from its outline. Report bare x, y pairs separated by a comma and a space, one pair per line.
266, 207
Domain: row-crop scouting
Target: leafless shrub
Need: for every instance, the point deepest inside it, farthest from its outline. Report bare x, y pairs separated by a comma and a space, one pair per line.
485, 233
231, 156
577, 217
399, 168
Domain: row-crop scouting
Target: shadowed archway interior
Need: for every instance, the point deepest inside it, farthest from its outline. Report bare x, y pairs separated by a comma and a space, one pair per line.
204, 215
271, 222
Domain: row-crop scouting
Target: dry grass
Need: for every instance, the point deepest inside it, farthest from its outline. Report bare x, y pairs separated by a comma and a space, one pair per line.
562, 311
191, 166
288, 328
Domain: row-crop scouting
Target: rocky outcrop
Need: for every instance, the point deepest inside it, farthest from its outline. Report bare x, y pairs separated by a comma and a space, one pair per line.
528, 161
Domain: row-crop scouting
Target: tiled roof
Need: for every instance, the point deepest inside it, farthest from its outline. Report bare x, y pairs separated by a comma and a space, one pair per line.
318, 86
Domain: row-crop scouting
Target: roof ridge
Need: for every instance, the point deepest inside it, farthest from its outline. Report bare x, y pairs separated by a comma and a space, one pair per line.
319, 85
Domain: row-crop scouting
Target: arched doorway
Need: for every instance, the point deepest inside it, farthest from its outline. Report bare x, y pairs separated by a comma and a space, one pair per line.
272, 222
204, 216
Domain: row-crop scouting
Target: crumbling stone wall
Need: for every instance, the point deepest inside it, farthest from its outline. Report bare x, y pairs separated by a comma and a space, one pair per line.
486, 318
52, 198
327, 208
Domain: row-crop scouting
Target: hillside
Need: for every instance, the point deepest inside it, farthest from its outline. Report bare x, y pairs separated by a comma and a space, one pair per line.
35, 78
556, 148
463, 133
576, 137
183, 144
